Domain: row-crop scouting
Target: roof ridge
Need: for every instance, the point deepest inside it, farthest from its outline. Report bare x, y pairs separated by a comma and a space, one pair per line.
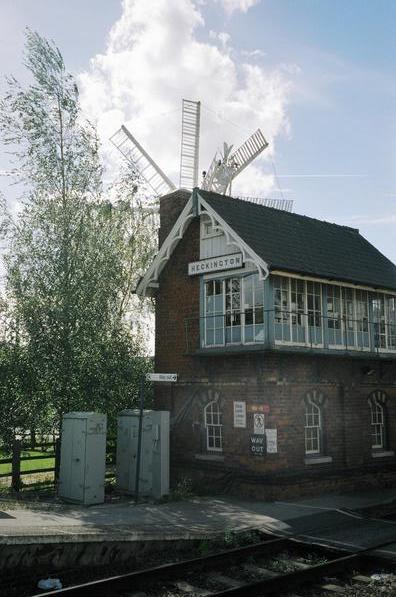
291, 214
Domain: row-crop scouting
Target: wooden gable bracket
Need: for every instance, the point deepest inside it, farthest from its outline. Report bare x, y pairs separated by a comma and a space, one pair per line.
150, 278
232, 238
196, 205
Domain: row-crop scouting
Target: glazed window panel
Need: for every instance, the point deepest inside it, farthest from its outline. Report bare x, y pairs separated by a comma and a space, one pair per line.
282, 309
253, 303
214, 308
378, 306
298, 310
233, 310
377, 425
348, 316
391, 322
362, 319
312, 428
334, 315
214, 427
314, 313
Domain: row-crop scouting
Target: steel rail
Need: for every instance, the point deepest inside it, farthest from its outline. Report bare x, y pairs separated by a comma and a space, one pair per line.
265, 586
165, 571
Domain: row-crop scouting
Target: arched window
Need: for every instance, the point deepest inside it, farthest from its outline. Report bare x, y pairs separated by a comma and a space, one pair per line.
313, 427
214, 427
378, 419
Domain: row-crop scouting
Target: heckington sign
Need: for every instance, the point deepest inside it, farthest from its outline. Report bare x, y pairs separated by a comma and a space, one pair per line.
215, 264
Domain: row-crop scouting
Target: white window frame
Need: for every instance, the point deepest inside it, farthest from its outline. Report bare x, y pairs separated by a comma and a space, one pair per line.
215, 314
287, 319
205, 223
377, 420
253, 307
223, 281
231, 312
212, 414
312, 409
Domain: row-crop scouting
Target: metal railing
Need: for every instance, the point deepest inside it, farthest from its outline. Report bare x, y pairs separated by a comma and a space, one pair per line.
280, 326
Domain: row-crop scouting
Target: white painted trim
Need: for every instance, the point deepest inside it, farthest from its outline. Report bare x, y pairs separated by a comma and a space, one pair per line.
232, 238
350, 348
210, 457
318, 460
277, 272
204, 222
382, 453
301, 344
243, 271
166, 249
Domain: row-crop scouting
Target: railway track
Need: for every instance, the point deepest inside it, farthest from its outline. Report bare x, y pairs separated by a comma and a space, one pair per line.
277, 566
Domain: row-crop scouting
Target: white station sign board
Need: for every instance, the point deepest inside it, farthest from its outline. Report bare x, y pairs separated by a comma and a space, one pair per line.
161, 376
215, 264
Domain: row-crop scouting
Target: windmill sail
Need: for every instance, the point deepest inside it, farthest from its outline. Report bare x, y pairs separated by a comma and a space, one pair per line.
224, 169
189, 154
141, 162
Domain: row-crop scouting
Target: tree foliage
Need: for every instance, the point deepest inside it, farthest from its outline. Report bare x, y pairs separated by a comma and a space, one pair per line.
74, 253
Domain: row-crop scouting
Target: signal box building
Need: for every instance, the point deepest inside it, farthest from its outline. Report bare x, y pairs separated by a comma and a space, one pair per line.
282, 330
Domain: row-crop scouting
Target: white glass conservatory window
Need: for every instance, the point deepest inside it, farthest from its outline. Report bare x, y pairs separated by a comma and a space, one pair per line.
234, 311
297, 311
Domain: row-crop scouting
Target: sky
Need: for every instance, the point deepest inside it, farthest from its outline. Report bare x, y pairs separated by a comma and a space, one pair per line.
317, 76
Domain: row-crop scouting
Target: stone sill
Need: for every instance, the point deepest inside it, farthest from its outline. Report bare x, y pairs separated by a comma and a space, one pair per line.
210, 457
319, 460
382, 454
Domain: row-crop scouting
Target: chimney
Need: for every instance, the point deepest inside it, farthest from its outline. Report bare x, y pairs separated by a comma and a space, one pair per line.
171, 206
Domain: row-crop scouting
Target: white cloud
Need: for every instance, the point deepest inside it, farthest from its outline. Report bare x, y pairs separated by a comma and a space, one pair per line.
153, 59
253, 53
231, 6
371, 220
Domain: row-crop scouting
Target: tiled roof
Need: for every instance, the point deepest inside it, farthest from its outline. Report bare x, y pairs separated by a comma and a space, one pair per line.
299, 244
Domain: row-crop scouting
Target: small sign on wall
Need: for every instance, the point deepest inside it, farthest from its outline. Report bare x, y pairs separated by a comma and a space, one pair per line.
259, 408
272, 440
240, 414
161, 376
257, 445
259, 423
215, 264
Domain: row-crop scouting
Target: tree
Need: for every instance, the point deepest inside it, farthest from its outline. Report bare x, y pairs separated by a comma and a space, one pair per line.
73, 253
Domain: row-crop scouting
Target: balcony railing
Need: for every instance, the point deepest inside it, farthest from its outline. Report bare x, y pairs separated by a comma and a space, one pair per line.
276, 327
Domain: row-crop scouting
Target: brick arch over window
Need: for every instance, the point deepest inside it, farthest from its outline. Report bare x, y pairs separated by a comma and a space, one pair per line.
314, 423
378, 419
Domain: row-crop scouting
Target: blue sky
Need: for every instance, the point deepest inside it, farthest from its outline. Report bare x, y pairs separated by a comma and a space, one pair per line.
315, 75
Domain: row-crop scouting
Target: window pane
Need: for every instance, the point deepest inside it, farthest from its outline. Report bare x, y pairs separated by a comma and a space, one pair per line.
312, 428
212, 416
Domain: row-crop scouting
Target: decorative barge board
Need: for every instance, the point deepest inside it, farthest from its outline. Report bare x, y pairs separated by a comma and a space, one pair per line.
282, 330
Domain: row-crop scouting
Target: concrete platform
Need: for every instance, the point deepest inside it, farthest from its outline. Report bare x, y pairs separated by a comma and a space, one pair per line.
331, 518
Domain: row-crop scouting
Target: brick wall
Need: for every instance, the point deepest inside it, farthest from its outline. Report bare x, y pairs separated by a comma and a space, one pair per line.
171, 206
279, 380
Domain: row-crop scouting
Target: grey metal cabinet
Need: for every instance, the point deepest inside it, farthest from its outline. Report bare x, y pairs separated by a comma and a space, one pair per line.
154, 465
83, 458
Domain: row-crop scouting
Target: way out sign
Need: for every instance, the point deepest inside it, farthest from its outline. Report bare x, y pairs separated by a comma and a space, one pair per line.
257, 445
161, 377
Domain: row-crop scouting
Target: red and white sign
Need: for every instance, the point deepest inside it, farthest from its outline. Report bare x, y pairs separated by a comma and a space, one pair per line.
259, 408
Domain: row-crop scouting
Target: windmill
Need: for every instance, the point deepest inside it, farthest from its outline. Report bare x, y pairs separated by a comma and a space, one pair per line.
223, 168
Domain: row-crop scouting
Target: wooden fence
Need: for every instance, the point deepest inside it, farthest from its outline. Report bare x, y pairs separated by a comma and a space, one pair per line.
17, 458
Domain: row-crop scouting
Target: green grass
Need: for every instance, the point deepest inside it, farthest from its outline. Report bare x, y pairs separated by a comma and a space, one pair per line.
28, 465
